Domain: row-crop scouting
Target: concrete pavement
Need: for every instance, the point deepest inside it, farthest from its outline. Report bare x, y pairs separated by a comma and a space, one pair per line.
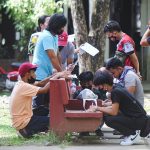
83, 147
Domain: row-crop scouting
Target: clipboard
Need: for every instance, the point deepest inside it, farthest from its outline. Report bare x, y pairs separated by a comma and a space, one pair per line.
86, 47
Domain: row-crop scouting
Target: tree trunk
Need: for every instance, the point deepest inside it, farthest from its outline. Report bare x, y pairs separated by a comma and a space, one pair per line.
95, 37
80, 29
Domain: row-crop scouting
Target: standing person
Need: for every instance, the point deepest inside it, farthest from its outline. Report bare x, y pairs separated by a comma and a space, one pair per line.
46, 50
132, 118
125, 48
126, 78
42, 24
66, 50
145, 41
46, 55
23, 119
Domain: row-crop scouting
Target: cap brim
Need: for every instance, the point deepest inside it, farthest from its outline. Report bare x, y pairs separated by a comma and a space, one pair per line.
34, 67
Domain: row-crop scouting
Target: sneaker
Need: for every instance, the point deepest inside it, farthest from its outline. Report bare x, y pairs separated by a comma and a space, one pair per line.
99, 132
23, 133
122, 137
147, 139
130, 140
115, 132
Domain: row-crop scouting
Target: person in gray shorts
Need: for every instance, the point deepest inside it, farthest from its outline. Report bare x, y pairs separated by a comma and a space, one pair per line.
127, 78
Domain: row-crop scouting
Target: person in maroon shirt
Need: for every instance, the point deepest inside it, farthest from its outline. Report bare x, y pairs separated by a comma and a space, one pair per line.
125, 48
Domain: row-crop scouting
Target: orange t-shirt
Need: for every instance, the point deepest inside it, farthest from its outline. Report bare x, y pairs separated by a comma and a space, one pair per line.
21, 104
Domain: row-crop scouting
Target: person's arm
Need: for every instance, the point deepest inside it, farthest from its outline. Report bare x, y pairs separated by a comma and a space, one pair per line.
135, 62
54, 59
44, 89
69, 61
70, 55
131, 89
43, 82
63, 74
59, 57
130, 82
145, 41
128, 48
113, 110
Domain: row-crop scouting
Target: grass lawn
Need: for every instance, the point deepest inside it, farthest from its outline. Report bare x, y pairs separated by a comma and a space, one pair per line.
8, 136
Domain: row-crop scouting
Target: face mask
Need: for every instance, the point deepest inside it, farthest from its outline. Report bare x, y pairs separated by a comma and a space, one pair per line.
32, 80
115, 38
87, 87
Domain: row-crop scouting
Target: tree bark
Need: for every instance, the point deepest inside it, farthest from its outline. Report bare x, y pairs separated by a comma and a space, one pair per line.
96, 36
80, 29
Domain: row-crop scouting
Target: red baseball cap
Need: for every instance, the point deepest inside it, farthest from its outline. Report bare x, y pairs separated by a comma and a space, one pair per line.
25, 67
63, 39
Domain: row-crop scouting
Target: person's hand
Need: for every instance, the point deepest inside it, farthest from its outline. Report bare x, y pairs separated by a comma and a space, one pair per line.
76, 51
106, 103
70, 67
64, 74
139, 75
54, 71
92, 108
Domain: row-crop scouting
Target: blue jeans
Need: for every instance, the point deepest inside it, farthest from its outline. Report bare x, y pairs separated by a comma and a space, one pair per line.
37, 124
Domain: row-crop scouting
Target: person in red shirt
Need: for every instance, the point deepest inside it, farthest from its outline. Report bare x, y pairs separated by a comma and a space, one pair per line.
125, 48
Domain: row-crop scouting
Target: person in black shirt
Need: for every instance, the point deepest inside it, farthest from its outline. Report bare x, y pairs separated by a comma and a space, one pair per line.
126, 114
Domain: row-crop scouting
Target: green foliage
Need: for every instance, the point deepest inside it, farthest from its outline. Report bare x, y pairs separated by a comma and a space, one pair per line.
25, 14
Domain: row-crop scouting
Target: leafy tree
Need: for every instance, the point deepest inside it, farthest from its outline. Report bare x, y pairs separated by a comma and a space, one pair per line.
25, 14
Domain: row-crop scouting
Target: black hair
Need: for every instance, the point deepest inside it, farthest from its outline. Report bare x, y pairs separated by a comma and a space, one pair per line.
112, 26
86, 76
106, 61
41, 20
60, 48
113, 63
103, 77
56, 22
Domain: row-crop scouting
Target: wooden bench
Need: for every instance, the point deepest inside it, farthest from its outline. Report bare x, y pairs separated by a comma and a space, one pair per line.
68, 115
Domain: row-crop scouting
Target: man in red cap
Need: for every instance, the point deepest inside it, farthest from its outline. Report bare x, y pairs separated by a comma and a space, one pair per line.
21, 112
66, 50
